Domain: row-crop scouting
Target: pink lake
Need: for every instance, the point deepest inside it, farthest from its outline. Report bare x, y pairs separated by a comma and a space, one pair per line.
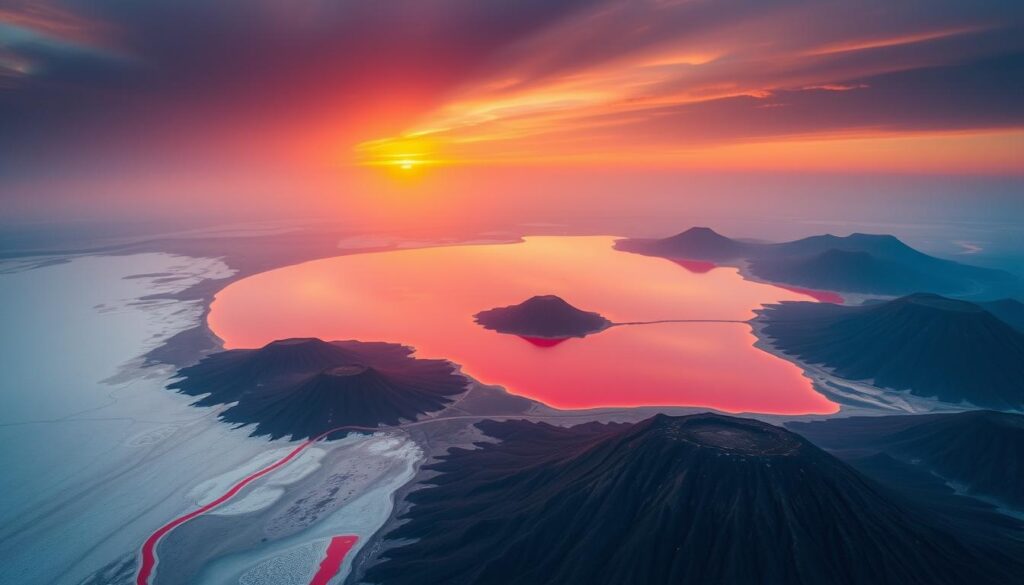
426, 298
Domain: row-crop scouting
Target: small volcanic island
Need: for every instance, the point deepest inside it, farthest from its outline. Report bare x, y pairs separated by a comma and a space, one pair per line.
545, 317
304, 387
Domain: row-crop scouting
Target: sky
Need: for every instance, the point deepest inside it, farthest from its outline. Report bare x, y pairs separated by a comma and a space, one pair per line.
207, 106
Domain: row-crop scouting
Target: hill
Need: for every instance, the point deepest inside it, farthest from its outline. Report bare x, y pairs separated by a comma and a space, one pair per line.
929, 345
546, 316
696, 243
303, 387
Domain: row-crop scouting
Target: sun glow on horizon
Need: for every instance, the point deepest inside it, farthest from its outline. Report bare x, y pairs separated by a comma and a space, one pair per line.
928, 151
731, 101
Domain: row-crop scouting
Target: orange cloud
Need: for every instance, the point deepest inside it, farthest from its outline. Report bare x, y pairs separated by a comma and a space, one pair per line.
895, 41
682, 95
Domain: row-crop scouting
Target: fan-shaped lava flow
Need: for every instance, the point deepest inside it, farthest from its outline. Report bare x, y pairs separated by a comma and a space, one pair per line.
226, 375
303, 387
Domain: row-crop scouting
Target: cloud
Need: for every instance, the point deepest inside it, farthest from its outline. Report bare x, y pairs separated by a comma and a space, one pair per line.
181, 83
37, 36
704, 73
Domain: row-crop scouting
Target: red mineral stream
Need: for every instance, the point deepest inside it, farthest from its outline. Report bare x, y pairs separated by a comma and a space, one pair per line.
336, 552
149, 559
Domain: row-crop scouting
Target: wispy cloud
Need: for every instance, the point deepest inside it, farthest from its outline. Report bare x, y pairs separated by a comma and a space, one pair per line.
865, 44
691, 75
490, 81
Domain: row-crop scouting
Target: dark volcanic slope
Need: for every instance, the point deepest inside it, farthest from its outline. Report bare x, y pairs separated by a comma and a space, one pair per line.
303, 387
226, 375
932, 346
983, 451
542, 316
696, 499
1010, 311
865, 263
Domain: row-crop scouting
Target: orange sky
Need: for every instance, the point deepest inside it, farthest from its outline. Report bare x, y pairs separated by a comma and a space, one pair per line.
102, 103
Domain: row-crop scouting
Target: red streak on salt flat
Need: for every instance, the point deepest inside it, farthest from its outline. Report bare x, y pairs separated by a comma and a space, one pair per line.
696, 266
149, 547
823, 296
336, 551
426, 298
544, 341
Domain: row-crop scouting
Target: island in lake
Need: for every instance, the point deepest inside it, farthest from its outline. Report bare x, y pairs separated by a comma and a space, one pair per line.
545, 316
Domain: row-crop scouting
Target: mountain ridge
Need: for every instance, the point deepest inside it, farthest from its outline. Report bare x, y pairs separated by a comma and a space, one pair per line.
929, 345
859, 262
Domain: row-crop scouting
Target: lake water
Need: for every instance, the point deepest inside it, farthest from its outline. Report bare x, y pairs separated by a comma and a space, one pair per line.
427, 297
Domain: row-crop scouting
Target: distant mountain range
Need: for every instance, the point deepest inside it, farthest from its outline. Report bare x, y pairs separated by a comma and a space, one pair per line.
932, 346
694, 499
303, 387
982, 452
546, 316
860, 263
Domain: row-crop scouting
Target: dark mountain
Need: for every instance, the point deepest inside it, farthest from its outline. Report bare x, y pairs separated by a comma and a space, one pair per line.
852, 271
348, 395
1011, 311
696, 243
695, 499
930, 345
303, 387
868, 263
546, 316
981, 451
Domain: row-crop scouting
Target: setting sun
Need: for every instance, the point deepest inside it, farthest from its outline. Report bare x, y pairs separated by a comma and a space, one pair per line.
405, 152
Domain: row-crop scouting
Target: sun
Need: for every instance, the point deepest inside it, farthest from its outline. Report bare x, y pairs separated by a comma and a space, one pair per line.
403, 154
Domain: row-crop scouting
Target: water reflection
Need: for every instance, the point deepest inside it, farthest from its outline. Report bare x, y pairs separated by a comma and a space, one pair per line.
427, 297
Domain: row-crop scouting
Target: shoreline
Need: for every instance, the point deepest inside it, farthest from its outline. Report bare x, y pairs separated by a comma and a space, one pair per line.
190, 345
